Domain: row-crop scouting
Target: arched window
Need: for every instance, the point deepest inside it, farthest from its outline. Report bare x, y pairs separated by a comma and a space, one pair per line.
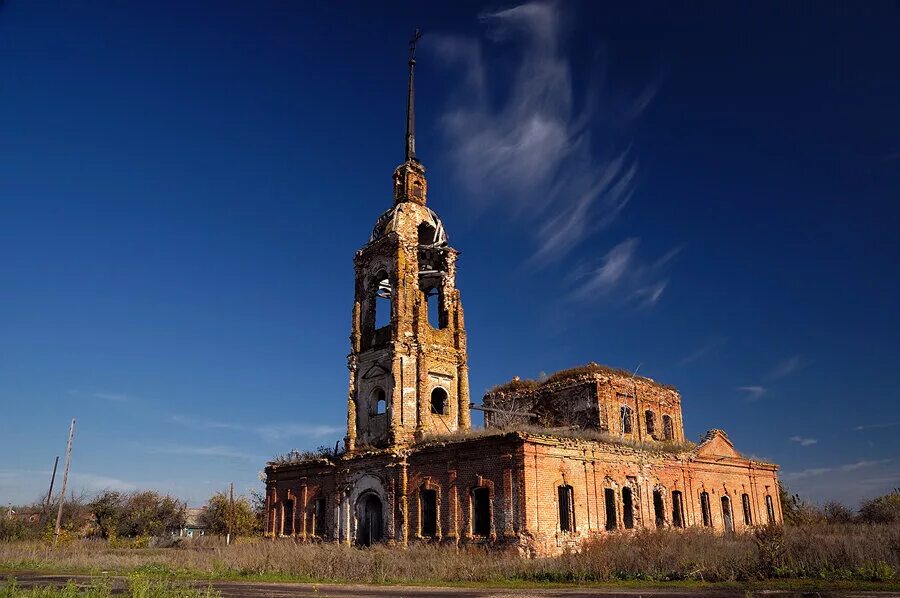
384, 295
704, 507
668, 431
770, 508
439, 401
481, 511
627, 507
748, 516
320, 517
677, 509
426, 234
609, 499
659, 509
379, 405
726, 514
650, 420
566, 508
626, 416
428, 506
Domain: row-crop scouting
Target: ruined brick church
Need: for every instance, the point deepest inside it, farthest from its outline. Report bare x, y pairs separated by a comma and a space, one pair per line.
587, 451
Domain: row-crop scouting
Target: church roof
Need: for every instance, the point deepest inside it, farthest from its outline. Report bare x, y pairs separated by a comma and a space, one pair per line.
389, 220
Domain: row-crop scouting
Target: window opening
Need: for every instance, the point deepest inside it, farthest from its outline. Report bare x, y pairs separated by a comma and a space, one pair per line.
726, 514
428, 500
650, 419
433, 299
770, 508
320, 525
668, 431
659, 509
704, 507
288, 513
481, 511
566, 508
379, 404
384, 295
626, 415
627, 508
677, 509
610, 496
439, 400
748, 516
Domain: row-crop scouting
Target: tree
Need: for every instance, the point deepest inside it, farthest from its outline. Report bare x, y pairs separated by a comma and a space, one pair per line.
836, 512
107, 508
884, 509
144, 513
219, 514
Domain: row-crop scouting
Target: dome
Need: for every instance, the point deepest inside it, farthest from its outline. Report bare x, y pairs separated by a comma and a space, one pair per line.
392, 220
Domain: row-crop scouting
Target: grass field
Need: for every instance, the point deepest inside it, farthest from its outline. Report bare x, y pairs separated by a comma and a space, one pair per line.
813, 555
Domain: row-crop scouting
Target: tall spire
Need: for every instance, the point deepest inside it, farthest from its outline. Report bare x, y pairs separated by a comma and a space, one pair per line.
411, 101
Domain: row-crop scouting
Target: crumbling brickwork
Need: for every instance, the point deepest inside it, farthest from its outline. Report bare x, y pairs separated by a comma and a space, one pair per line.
591, 397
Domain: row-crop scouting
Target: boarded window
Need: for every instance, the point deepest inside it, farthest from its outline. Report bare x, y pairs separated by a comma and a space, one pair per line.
428, 505
659, 509
627, 508
610, 496
677, 509
481, 512
439, 401
726, 514
668, 430
650, 421
566, 508
770, 508
704, 508
748, 516
379, 405
288, 518
626, 415
320, 525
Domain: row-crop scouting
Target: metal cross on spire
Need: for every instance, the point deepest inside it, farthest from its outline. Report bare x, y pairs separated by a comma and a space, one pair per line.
411, 100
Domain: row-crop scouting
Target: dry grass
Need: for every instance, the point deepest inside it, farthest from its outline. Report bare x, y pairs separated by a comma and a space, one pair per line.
852, 552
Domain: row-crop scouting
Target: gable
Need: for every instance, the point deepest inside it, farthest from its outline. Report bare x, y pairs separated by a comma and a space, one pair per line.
717, 444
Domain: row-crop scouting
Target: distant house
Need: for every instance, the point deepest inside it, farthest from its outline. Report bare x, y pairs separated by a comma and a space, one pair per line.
193, 524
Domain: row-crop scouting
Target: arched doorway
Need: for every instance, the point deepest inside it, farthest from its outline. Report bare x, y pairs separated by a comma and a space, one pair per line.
369, 527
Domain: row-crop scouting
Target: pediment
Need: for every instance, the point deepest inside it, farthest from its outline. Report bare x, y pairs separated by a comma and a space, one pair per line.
375, 371
717, 444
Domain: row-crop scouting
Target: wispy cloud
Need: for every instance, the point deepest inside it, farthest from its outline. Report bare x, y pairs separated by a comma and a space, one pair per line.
819, 471
622, 272
875, 426
115, 397
701, 352
802, 441
753, 393
786, 367
268, 432
205, 451
536, 148
90, 481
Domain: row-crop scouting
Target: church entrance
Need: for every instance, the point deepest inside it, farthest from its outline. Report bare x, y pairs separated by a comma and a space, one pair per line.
369, 524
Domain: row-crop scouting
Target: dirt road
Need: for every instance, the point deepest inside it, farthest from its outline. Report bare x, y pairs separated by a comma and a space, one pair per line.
235, 589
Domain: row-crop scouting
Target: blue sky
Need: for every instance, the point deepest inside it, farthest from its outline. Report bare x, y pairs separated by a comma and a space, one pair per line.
707, 190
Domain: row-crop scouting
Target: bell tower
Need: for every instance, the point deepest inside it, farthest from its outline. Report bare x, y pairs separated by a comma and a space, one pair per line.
408, 367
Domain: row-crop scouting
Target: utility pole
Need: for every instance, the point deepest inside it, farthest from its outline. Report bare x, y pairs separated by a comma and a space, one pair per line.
62, 494
50, 491
230, 515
